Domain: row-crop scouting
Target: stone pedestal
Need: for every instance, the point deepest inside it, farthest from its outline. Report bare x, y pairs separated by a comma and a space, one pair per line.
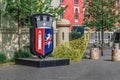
41, 63
116, 45
115, 55
94, 53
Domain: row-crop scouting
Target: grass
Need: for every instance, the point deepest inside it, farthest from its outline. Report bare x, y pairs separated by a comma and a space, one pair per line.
7, 64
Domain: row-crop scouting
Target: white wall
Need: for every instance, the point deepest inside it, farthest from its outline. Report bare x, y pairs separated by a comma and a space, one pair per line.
9, 40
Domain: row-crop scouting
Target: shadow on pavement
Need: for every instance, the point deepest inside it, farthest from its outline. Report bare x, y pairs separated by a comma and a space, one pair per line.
107, 60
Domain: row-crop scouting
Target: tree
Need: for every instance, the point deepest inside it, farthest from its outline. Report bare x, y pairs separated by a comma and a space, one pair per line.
45, 7
101, 15
20, 10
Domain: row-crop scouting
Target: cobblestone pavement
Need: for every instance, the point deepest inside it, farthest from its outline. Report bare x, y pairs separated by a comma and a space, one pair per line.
102, 69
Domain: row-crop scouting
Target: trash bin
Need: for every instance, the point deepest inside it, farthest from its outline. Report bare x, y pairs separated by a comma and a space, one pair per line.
41, 35
94, 52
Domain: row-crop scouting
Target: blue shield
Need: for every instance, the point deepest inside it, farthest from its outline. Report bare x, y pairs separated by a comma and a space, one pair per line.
48, 40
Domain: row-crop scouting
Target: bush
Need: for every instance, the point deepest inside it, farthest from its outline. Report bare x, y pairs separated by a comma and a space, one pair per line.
64, 52
24, 54
73, 50
3, 58
74, 35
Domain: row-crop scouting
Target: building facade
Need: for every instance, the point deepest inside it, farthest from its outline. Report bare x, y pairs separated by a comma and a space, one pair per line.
74, 12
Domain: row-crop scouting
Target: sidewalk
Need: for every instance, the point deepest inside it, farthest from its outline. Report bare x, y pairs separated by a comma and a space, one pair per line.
102, 69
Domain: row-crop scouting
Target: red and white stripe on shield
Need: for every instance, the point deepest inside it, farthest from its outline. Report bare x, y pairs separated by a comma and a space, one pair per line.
39, 40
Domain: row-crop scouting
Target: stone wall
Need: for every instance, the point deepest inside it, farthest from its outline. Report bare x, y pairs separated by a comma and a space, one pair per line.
9, 40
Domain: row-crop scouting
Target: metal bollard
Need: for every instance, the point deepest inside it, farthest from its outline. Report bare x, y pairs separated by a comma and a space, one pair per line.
113, 52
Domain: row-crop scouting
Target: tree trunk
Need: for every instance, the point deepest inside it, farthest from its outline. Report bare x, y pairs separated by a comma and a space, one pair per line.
19, 41
102, 44
99, 36
19, 31
102, 32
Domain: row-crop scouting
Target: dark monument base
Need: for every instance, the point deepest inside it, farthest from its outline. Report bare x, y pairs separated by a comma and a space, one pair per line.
40, 63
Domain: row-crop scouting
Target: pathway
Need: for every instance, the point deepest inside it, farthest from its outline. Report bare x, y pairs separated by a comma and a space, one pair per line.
102, 69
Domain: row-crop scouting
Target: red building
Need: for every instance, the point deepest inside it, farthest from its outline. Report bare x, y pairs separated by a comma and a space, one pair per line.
74, 12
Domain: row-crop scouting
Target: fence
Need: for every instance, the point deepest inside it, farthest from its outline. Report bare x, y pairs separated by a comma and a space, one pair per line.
97, 38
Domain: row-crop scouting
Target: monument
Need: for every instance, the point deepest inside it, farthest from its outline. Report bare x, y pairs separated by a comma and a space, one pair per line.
41, 35
41, 43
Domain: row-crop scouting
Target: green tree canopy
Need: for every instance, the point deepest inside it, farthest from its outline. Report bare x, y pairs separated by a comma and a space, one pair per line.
20, 11
101, 14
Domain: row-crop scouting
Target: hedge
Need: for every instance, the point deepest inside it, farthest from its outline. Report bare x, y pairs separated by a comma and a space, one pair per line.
73, 50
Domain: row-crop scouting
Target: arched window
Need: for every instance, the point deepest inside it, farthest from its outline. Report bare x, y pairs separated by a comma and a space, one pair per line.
61, 1
61, 16
118, 3
76, 15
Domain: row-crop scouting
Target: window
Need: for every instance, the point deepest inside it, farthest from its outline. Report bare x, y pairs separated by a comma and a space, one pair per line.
85, 1
61, 16
78, 29
76, 2
119, 3
61, 1
62, 35
96, 36
76, 15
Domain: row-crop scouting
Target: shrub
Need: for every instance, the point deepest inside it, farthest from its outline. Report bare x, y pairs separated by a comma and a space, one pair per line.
24, 54
73, 50
3, 58
74, 35
50, 55
64, 52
